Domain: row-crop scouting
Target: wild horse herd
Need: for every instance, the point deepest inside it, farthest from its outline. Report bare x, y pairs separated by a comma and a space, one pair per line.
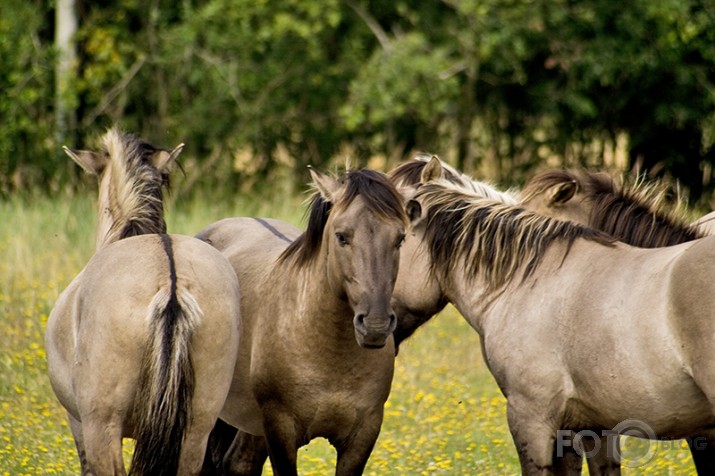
592, 300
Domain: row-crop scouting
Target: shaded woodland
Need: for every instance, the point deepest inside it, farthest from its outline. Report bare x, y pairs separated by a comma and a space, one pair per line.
258, 89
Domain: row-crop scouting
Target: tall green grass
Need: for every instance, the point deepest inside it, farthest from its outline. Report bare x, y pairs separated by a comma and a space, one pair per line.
445, 414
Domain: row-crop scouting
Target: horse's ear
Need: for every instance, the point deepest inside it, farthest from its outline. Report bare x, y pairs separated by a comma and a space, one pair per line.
91, 162
162, 159
432, 171
327, 186
562, 193
414, 212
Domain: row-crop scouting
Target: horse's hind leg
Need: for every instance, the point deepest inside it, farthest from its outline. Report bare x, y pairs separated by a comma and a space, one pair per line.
193, 449
103, 446
76, 427
702, 448
604, 462
219, 443
246, 456
570, 463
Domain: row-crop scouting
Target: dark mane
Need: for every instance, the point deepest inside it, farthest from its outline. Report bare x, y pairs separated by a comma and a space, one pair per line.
631, 214
492, 239
306, 246
379, 195
136, 194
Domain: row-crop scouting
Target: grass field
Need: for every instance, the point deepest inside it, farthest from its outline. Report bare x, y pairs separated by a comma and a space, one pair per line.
445, 414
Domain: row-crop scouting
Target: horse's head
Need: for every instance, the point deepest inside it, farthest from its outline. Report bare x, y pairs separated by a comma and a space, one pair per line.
418, 295
363, 234
131, 175
565, 195
639, 213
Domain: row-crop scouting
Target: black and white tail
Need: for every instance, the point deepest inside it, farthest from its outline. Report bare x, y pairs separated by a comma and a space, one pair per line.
167, 384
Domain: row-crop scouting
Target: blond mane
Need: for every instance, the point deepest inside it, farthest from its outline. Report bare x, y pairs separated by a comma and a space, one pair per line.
135, 187
409, 173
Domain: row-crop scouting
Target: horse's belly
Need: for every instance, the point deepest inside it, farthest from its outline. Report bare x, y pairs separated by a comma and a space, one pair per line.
336, 415
243, 414
672, 408
241, 409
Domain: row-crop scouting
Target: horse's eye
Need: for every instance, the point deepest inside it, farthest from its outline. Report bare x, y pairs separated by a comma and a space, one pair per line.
342, 241
400, 241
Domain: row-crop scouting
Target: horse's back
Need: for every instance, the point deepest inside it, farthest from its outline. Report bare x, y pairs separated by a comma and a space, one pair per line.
705, 224
251, 246
243, 235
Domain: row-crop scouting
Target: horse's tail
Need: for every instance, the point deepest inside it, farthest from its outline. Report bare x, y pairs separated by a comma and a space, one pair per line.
167, 381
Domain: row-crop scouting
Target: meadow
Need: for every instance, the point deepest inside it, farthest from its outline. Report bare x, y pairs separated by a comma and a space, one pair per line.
445, 414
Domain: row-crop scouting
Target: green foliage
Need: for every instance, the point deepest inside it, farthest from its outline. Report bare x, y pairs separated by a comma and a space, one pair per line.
407, 81
258, 89
26, 68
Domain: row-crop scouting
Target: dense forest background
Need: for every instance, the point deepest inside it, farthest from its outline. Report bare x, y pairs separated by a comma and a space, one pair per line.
257, 89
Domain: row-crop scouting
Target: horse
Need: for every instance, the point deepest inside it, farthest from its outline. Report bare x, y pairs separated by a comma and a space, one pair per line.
634, 214
417, 297
705, 224
566, 315
316, 349
143, 342
411, 172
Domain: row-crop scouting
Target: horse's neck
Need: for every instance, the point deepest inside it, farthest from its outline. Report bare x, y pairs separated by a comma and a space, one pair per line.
475, 301
309, 305
111, 228
108, 223
469, 298
105, 226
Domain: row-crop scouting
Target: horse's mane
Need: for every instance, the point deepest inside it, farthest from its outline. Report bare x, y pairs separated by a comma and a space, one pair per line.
491, 238
378, 194
135, 194
410, 172
633, 213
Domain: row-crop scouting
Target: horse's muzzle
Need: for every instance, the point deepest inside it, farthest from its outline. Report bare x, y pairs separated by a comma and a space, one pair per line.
372, 332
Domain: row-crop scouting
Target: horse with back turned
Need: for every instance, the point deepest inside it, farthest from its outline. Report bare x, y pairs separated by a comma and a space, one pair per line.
143, 342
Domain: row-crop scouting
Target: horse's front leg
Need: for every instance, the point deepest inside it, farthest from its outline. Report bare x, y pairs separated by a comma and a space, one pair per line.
534, 435
282, 438
246, 456
354, 451
702, 448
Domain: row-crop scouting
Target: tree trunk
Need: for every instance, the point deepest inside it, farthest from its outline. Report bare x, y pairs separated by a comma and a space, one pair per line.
65, 28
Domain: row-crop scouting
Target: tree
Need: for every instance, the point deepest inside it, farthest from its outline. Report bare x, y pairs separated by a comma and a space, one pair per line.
65, 29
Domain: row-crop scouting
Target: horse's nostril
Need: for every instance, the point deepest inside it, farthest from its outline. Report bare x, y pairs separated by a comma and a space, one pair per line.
360, 320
